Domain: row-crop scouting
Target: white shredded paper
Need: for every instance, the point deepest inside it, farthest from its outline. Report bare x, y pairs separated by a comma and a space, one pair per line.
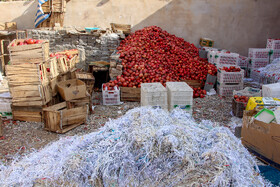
145, 147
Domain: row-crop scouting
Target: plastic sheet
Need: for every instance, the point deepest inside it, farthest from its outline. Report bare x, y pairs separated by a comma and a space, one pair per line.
269, 74
145, 147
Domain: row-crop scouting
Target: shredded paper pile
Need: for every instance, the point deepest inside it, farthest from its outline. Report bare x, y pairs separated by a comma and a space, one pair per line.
145, 147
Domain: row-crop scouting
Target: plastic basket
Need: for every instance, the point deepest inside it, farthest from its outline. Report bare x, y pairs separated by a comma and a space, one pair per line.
222, 58
258, 63
230, 77
259, 53
238, 108
227, 89
111, 97
243, 61
249, 92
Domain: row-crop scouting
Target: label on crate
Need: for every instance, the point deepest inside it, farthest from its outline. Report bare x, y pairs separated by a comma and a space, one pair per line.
184, 107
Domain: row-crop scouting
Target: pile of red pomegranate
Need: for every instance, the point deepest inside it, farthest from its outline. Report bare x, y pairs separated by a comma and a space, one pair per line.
153, 55
231, 69
27, 42
242, 99
67, 53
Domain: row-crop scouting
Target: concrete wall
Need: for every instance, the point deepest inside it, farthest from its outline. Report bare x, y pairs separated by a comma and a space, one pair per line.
22, 12
235, 25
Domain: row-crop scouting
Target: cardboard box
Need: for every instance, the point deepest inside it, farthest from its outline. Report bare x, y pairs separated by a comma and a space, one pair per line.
261, 138
72, 89
262, 102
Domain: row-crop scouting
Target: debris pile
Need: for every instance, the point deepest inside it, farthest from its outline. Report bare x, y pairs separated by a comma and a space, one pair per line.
145, 147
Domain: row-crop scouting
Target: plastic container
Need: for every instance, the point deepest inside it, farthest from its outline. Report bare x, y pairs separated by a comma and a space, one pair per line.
89, 29
230, 77
258, 63
154, 94
271, 90
243, 61
273, 44
238, 108
111, 97
275, 54
248, 92
227, 89
180, 94
211, 55
259, 53
222, 58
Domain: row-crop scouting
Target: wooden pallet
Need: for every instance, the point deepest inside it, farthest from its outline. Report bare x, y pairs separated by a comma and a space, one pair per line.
34, 53
130, 94
60, 119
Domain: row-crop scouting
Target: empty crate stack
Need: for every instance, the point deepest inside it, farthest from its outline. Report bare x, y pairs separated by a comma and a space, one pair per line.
180, 95
258, 58
226, 58
243, 64
28, 80
229, 78
154, 94
274, 45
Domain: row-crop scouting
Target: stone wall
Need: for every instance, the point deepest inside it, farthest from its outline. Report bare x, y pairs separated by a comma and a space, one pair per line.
92, 47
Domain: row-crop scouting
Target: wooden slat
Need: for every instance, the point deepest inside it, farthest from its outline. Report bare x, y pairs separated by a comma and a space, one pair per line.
130, 94
70, 128
24, 88
33, 103
56, 107
27, 116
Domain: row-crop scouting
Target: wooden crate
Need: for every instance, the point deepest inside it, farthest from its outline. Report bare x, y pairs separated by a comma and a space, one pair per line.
54, 6
34, 53
55, 17
87, 78
130, 94
126, 29
60, 119
52, 68
62, 65
29, 85
27, 113
194, 83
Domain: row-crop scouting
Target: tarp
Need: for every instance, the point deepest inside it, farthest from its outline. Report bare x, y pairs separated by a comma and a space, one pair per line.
40, 15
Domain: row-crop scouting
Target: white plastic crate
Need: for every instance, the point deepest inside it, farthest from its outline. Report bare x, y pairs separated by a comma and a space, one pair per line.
211, 55
111, 97
154, 94
271, 90
227, 89
180, 94
243, 61
255, 63
256, 53
255, 75
273, 44
230, 77
275, 54
223, 58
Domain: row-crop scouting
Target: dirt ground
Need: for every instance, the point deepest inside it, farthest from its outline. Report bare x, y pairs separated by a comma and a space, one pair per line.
21, 138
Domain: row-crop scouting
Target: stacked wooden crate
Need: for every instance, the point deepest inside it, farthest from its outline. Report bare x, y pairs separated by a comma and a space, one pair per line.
28, 81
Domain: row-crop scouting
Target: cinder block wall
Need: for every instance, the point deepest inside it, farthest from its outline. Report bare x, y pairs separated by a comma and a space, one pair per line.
92, 47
